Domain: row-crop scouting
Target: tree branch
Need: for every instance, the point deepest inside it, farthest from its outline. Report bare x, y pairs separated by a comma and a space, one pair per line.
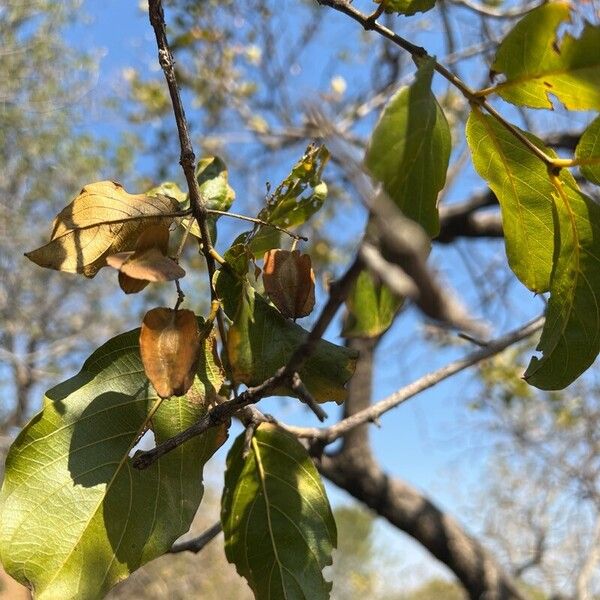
198, 543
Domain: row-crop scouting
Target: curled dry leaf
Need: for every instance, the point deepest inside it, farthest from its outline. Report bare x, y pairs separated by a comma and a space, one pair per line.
169, 346
290, 282
148, 263
102, 220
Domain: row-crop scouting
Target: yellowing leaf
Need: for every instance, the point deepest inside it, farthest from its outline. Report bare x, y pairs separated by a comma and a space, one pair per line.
290, 282
536, 65
169, 346
406, 7
102, 220
148, 263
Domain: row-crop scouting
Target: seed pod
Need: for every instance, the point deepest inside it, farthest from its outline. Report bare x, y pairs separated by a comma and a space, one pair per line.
290, 282
169, 346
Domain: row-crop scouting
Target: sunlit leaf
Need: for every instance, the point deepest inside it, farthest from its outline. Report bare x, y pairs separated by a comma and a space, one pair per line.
169, 346
169, 188
588, 152
571, 337
278, 526
289, 282
148, 263
371, 308
536, 64
102, 220
521, 182
75, 516
407, 7
295, 200
410, 149
261, 340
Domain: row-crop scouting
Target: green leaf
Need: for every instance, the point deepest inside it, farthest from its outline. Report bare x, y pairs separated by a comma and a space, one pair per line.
278, 526
407, 7
371, 308
571, 337
410, 149
171, 189
261, 340
521, 182
588, 152
295, 200
535, 65
75, 516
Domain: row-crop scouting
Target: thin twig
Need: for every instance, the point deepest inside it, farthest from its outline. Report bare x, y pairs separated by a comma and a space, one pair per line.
419, 53
327, 435
223, 412
196, 544
303, 393
256, 220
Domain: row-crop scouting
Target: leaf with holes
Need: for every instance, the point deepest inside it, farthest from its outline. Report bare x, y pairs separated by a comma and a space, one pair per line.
295, 200
571, 337
410, 149
103, 220
278, 526
521, 182
536, 64
588, 152
75, 516
261, 341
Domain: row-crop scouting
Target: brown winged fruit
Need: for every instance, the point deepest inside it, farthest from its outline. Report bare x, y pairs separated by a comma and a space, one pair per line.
169, 346
290, 282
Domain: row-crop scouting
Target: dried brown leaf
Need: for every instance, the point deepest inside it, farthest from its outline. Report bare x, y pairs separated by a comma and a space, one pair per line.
102, 220
169, 346
290, 282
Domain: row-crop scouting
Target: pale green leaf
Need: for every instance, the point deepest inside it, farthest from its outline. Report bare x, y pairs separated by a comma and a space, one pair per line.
571, 337
171, 189
371, 308
407, 7
588, 152
75, 516
410, 149
261, 340
295, 200
535, 64
278, 526
521, 182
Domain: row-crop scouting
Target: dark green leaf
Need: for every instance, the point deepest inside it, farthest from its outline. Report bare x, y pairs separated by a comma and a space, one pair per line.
571, 337
261, 340
536, 65
371, 308
76, 517
588, 152
410, 149
521, 182
278, 526
407, 7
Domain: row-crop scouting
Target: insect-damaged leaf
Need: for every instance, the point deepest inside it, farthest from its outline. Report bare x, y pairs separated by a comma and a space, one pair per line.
535, 64
407, 7
588, 152
104, 219
410, 149
278, 526
571, 337
295, 200
75, 516
520, 181
169, 345
289, 282
148, 263
261, 340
